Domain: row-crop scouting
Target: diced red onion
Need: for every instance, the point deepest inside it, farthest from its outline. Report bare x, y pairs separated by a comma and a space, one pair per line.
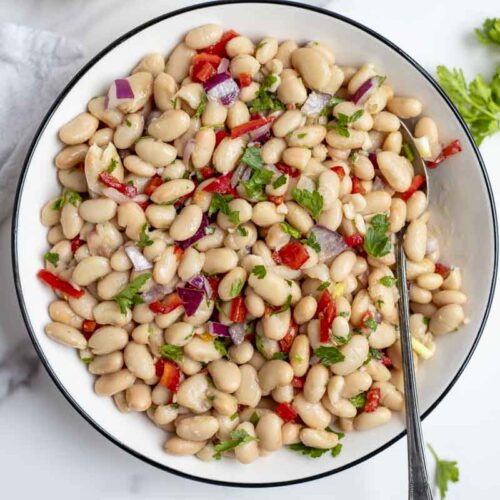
157, 293
196, 236
223, 65
222, 88
377, 317
188, 151
191, 299
237, 333
123, 153
373, 158
331, 242
315, 103
367, 89
120, 198
363, 279
378, 184
119, 92
261, 134
218, 329
138, 260
201, 283
237, 174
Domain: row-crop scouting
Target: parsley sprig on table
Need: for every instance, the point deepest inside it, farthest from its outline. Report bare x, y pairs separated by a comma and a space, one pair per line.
446, 471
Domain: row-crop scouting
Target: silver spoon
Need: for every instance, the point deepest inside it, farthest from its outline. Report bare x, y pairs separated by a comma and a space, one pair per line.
419, 488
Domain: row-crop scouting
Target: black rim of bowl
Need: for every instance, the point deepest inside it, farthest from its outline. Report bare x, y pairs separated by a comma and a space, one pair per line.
34, 143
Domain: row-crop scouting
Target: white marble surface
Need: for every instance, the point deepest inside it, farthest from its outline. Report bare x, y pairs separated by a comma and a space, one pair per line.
48, 449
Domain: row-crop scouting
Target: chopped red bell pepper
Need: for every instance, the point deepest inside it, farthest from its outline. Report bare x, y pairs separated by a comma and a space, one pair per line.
219, 48
245, 80
178, 252
166, 305
298, 382
244, 128
159, 367
238, 310
287, 169
153, 183
59, 284
386, 361
171, 376
214, 285
112, 182
451, 149
339, 171
220, 135
76, 243
144, 204
357, 187
442, 269
213, 59
416, 183
286, 411
221, 184
372, 400
202, 71
277, 200
286, 342
293, 254
207, 172
88, 328
354, 240
325, 312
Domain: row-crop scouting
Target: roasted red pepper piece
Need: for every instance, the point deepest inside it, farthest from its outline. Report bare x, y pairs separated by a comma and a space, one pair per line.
339, 171
293, 254
112, 182
277, 200
354, 240
207, 172
59, 284
372, 400
442, 269
221, 184
452, 149
202, 71
286, 412
245, 80
386, 361
326, 314
166, 305
357, 187
220, 135
219, 48
286, 342
298, 382
244, 128
159, 367
171, 376
416, 183
287, 169
155, 182
88, 328
212, 59
76, 243
238, 310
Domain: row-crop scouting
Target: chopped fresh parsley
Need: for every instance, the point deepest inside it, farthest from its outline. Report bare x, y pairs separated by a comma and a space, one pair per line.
112, 165
446, 471
128, 123
171, 351
234, 416
329, 355
221, 202
312, 242
426, 320
358, 401
288, 229
129, 296
324, 285
310, 200
144, 239
388, 281
259, 271
311, 452
327, 110
375, 353
254, 418
342, 340
371, 324
237, 438
283, 356
379, 303
408, 152
489, 32
86, 361
220, 347
52, 257
259, 344
67, 197
265, 100
252, 157
236, 288
242, 231
254, 187
201, 106
301, 136
344, 314
280, 181
343, 121
284, 307
377, 242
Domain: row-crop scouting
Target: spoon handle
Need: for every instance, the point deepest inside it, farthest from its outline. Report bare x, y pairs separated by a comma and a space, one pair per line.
419, 488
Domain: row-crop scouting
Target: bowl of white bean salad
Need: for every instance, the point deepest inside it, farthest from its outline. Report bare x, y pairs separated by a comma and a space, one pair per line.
204, 233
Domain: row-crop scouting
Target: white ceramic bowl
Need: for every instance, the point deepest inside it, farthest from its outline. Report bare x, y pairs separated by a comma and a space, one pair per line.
461, 198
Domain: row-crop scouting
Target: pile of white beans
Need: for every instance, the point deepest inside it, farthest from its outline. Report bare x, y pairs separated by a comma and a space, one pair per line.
218, 395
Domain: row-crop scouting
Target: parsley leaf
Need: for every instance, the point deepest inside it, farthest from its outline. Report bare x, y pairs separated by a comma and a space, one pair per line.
329, 355
377, 243
259, 271
201, 106
375, 353
312, 242
236, 288
478, 102
254, 187
129, 296
280, 181
129, 125
265, 100
242, 231
171, 351
234, 416
446, 471
144, 239
67, 197
388, 281
408, 152
342, 340
237, 438
220, 347
323, 286
112, 165
489, 32
311, 452
358, 401
52, 257
371, 324
259, 344
335, 451
288, 229
310, 200
221, 202
254, 419
285, 306
327, 110
343, 121
283, 356
252, 157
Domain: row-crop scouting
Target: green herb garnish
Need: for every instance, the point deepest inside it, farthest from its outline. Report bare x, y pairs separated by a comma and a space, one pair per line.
312, 242
329, 355
236, 287
129, 296
489, 32
388, 281
408, 152
201, 106
259, 271
171, 351
221, 202
144, 239
265, 100
324, 285
310, 200
377, 242
446, 471
358, 401
67, 197
52, 257
284, 307
242, 231
343, 121
288, 229
238, 438
280, 181
220, 347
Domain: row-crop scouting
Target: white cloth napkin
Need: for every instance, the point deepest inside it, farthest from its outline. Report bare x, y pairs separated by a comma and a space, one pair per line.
34, 68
